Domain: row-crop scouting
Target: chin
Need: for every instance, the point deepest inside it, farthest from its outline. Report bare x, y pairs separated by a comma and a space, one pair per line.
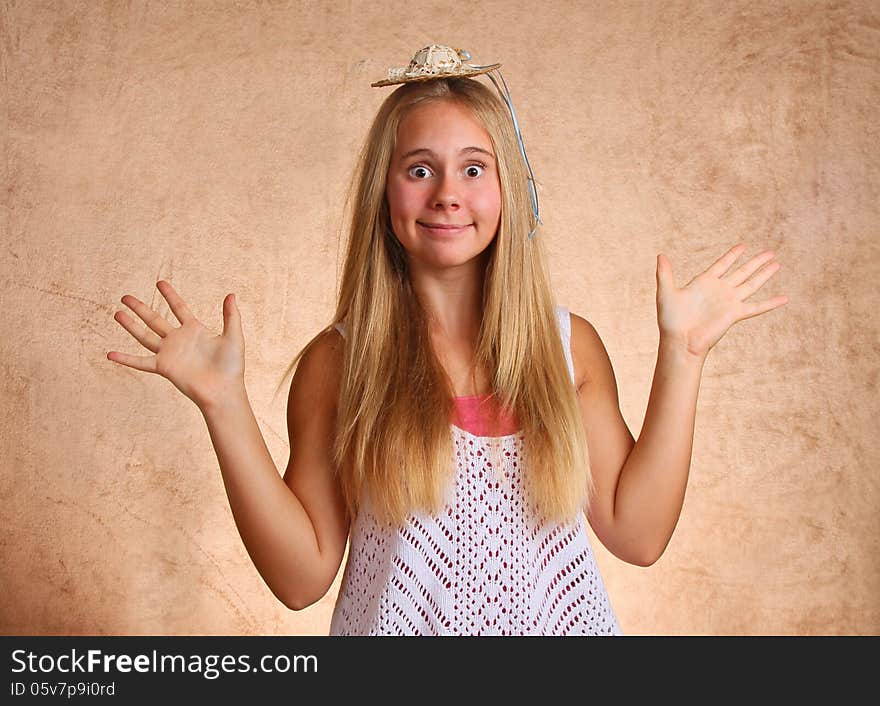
448, 259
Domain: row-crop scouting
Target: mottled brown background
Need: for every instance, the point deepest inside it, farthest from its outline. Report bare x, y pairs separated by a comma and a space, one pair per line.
210, 144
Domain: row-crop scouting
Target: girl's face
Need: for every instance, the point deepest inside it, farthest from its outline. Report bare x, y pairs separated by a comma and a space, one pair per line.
443, 173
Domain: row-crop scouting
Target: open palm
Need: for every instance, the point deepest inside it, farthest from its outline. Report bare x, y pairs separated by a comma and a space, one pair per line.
202, 365
700, 313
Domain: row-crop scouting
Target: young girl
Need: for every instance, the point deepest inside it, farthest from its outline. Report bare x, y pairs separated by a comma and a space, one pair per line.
452, 422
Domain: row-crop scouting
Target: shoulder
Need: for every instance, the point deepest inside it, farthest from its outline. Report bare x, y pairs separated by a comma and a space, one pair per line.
326, 346
320, 367
586, 348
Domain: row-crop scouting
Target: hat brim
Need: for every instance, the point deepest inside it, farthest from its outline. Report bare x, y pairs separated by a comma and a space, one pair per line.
431, 77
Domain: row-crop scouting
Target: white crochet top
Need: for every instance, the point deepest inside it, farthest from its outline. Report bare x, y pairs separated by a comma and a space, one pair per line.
480, 567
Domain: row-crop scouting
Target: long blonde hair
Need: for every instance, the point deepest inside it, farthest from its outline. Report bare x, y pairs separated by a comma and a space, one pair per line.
393, 435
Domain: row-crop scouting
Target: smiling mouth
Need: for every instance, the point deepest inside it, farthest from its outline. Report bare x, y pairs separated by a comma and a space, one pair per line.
444, 228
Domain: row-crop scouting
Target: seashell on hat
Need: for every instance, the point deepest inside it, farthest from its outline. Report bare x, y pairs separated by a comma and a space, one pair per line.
434, 61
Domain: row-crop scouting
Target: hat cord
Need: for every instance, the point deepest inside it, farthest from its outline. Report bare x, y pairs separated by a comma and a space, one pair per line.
505, 95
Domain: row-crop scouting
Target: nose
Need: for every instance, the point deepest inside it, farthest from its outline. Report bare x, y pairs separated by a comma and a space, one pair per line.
446, 195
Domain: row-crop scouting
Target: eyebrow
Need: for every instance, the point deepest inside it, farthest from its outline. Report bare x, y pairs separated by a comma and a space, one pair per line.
465, 150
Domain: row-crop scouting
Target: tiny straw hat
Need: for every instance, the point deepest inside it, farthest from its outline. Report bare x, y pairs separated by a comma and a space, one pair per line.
435, 61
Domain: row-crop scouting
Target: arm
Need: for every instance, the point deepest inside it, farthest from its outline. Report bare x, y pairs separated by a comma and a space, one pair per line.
641, 487
651, 488
295, 530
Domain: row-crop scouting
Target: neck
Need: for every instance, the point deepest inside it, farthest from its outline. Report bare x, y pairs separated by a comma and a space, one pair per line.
453, 301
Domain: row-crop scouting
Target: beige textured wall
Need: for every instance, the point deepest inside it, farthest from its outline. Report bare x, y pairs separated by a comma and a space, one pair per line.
211, 145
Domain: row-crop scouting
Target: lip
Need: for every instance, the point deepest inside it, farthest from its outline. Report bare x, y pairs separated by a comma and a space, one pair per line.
443, 227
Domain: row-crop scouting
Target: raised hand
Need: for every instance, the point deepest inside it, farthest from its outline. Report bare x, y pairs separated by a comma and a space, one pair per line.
697, 315
203, 366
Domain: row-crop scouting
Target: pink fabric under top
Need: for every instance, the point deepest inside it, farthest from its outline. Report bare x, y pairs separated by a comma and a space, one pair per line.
472, 414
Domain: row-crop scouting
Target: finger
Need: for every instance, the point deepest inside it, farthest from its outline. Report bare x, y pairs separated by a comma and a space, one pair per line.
741, 274
757, 308
144, 363
148, 340
723, 263
231, 318
747, 289
175, 301
155, 321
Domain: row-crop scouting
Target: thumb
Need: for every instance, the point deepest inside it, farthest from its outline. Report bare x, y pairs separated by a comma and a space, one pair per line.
231, 317
664, 272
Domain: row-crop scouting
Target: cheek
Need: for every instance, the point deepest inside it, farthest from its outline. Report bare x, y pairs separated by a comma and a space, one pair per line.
401, 200
489, 202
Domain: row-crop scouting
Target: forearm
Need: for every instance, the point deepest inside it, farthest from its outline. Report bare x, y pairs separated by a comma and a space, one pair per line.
272, 522
651, 488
